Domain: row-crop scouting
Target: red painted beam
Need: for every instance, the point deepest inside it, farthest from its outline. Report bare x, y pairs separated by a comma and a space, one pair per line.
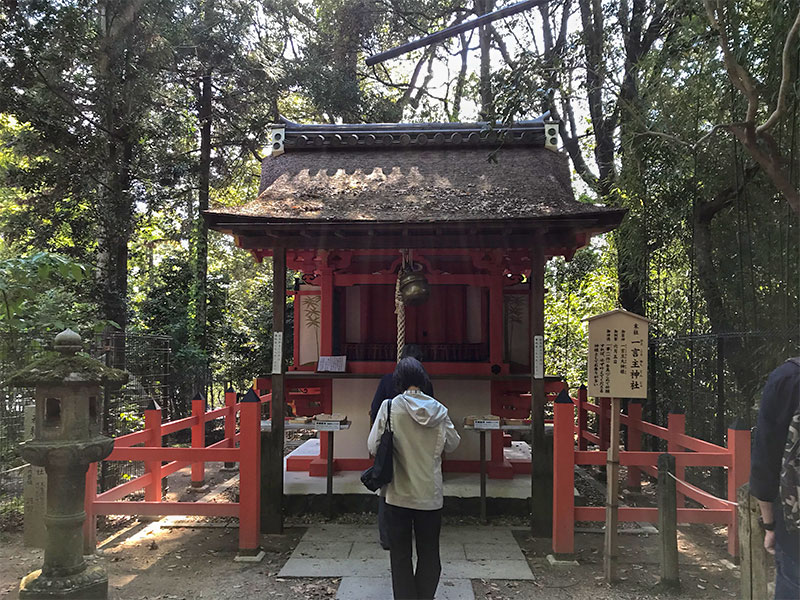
174, 426
126, 488
215, 414
131, 439
649, 459
650, 515
202, 509
181, 454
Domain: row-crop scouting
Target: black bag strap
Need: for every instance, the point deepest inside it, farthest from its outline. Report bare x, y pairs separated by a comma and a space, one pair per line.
389, 415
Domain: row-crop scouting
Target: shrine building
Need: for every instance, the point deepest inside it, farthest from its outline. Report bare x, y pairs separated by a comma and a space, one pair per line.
476, 212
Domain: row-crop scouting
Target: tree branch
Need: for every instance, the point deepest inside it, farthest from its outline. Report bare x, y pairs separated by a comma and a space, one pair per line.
786, 77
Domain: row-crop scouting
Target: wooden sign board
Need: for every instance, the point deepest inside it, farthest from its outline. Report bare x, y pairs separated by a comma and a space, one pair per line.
618, 355
331, 364
327, 425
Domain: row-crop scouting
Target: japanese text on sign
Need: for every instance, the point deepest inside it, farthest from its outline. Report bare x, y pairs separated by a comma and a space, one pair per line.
618, 355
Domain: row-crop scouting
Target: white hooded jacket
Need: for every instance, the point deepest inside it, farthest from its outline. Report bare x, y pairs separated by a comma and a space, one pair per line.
422, 430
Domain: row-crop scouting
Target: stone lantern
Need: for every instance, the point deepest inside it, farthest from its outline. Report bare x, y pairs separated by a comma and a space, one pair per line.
66, 439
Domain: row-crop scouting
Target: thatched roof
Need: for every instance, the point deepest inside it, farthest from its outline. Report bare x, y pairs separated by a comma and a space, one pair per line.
433, 173
414, 185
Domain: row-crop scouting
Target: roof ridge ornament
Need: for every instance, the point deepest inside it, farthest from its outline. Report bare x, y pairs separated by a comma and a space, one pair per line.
277, 136
347, 136
551, 135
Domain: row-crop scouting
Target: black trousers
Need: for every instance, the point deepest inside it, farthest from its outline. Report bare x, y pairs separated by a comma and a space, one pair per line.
408, 583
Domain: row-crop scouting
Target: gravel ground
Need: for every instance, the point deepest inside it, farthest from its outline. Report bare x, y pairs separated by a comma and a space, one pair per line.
194, 562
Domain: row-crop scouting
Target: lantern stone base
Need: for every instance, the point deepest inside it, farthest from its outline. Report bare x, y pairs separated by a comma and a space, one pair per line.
90, 584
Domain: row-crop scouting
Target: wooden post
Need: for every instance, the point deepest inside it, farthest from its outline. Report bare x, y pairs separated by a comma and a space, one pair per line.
272, 466
612, 496
719, 418
583, 443
603, 422
754, 561
563, 474
198, 439
152, 424
250, 475
329, 475
230, 422
668, 521
738, 474
676, 424
634, 481
90, 523
326, 290
482, 435
541, 462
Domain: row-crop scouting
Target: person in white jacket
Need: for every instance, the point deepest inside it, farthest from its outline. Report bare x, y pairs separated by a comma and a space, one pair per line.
422, 431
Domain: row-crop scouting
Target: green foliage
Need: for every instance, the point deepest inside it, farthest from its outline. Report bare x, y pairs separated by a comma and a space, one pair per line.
29, 290
585, 286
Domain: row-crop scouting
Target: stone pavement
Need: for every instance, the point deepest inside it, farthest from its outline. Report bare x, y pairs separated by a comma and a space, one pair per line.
353, 553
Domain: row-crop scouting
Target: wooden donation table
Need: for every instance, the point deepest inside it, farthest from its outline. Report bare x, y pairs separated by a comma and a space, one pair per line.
482, 426
328, 427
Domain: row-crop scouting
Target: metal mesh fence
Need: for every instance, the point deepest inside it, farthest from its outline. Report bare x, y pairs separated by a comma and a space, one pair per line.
715, 380
145, 357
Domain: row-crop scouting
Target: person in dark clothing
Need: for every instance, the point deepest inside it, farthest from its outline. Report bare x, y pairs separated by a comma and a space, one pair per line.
779, 402
386, 389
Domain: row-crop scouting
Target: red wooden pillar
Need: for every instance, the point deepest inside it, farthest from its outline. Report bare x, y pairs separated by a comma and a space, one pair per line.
296, 333
90, 524
152, 424
582, 418
198, 439
325, 340
676, 424
604, 422
496, 320
634, 442
563, 474
250, 475
738, 474
230, 422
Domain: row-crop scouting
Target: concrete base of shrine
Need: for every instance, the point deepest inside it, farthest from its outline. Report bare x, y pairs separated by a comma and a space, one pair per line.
305, 493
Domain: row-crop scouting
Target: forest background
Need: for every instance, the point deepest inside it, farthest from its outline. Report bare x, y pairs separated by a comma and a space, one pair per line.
121, 120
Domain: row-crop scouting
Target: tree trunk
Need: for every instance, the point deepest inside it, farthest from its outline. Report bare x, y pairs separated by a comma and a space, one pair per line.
485, 32
737, 355
201, 230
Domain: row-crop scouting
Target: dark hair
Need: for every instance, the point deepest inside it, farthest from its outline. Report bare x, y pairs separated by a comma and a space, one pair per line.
409, 371
412, 351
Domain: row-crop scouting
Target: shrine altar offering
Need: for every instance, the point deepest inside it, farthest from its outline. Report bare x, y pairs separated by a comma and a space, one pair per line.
618, 355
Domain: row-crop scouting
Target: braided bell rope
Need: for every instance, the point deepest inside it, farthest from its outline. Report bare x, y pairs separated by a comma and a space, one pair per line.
400, 311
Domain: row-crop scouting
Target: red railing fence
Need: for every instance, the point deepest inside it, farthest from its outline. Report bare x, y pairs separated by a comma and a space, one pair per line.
238, 446
570, 422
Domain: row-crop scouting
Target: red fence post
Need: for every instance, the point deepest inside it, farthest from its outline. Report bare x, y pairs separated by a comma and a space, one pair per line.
563, 474
676, 424
583, 443
738, 474
198, 439
90, 524
634, 441
152, 424
230, 422
250, 475
604, 422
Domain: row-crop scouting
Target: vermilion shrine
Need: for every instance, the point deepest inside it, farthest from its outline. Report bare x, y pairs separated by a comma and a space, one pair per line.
475, 210
352, 209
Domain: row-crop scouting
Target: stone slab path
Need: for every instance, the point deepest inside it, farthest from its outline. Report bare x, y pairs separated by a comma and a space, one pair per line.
353, 553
